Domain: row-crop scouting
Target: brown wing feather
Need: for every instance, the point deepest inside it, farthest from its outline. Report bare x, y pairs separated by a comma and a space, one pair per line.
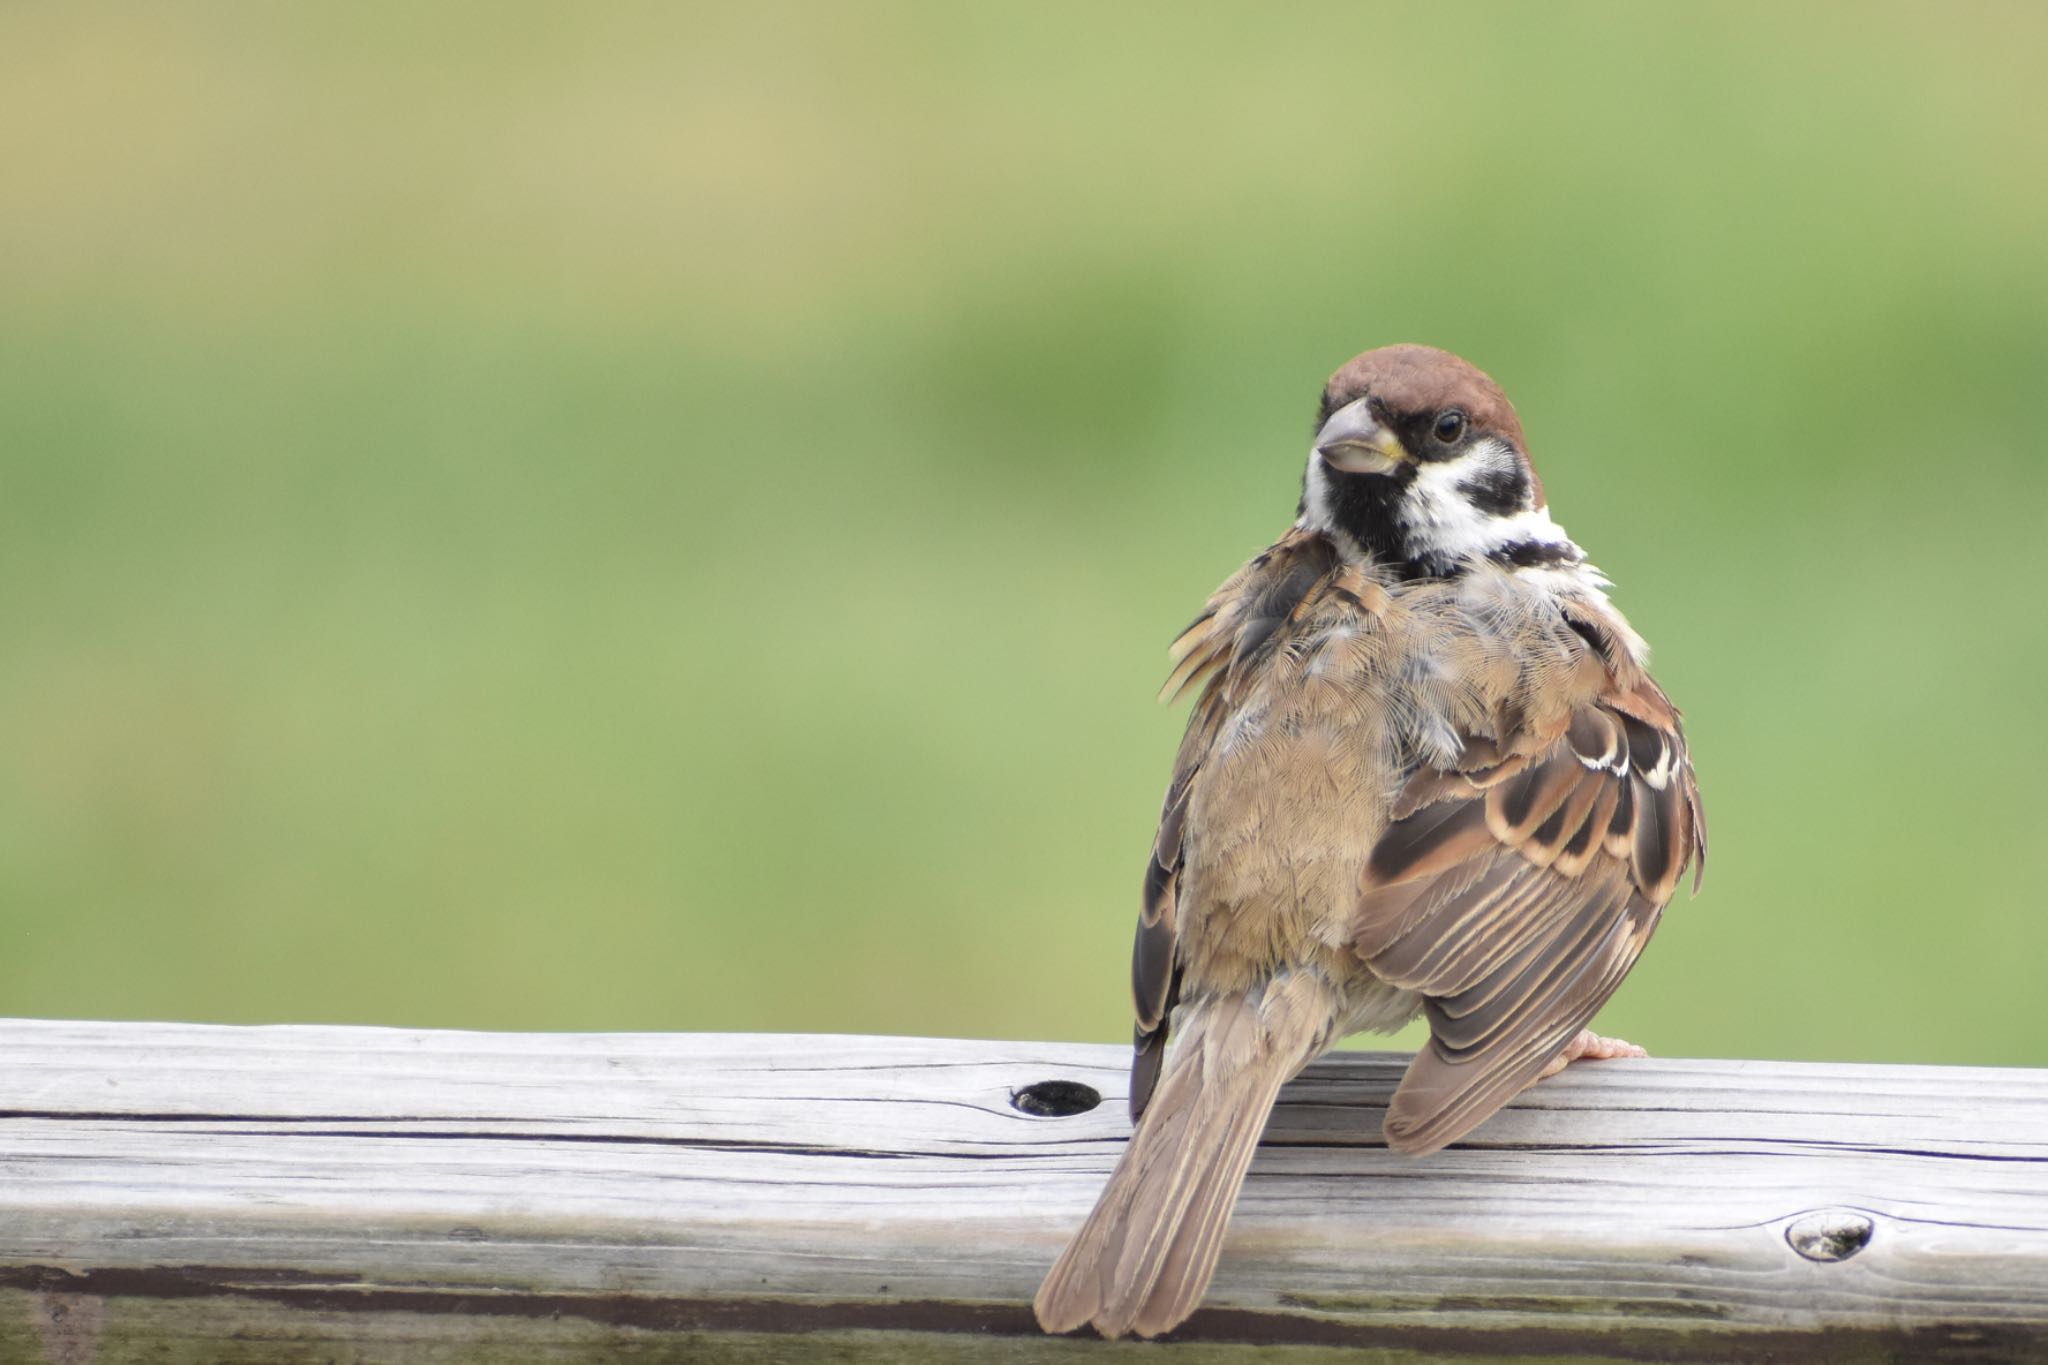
1155, 973
1516, 892
1236, 630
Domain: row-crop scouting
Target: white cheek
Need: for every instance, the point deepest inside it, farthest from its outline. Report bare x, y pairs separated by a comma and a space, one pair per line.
1435, 497
1440, 515
1315, 496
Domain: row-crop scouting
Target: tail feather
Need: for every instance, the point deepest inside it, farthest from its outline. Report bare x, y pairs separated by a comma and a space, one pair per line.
1144, 1257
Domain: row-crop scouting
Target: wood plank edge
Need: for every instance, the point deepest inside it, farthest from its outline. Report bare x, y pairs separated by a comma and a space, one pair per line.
229, 1301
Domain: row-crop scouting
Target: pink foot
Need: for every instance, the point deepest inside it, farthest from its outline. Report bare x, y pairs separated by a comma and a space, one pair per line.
1590, 1047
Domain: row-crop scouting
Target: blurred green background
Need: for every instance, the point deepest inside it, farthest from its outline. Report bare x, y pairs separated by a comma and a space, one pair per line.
670, 518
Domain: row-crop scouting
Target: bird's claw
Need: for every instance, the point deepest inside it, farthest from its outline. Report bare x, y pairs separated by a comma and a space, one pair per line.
1590, 1047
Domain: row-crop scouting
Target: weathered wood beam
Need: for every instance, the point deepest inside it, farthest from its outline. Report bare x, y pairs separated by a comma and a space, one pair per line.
184, 1192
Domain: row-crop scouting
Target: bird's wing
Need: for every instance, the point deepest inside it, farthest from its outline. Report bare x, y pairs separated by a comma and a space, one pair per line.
1514, 889
1237, 629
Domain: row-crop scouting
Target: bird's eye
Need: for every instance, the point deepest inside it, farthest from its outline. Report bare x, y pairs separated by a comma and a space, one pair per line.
1450, 425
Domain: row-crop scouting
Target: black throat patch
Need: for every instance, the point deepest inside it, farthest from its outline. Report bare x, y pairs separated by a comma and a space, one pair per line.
1366, 507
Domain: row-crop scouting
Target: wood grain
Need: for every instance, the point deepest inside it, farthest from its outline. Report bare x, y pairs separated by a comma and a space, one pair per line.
182, 1191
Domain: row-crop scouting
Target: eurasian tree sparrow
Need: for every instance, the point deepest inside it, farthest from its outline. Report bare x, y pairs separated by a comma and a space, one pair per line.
1427, 773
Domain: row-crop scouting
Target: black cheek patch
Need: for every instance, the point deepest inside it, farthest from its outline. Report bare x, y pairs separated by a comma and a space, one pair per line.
1497, 492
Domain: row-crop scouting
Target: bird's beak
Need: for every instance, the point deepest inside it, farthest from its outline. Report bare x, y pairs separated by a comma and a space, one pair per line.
1352, 441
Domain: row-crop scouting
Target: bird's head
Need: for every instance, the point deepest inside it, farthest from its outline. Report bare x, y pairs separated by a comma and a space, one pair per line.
1419, 461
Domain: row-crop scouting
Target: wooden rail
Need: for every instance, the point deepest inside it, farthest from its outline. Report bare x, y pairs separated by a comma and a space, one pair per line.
181, 1192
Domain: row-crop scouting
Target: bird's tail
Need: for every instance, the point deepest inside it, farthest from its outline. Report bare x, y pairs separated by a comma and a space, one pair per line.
1143, 1260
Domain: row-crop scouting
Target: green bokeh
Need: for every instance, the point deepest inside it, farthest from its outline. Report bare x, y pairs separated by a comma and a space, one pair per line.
517, 519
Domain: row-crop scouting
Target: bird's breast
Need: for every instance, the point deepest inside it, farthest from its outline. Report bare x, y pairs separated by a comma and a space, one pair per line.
1292, 795
1301, 774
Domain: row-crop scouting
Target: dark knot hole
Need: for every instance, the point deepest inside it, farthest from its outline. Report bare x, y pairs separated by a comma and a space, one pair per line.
1830, 1234
1055, 1099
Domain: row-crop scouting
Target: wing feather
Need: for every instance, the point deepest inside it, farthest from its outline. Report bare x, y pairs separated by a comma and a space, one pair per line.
1516, 892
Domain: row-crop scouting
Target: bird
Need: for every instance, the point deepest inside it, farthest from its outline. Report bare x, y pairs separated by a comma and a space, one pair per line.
1427, 772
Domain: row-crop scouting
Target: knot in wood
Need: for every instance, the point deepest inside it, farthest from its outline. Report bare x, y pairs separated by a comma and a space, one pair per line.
1055, 1099
1830, 1234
